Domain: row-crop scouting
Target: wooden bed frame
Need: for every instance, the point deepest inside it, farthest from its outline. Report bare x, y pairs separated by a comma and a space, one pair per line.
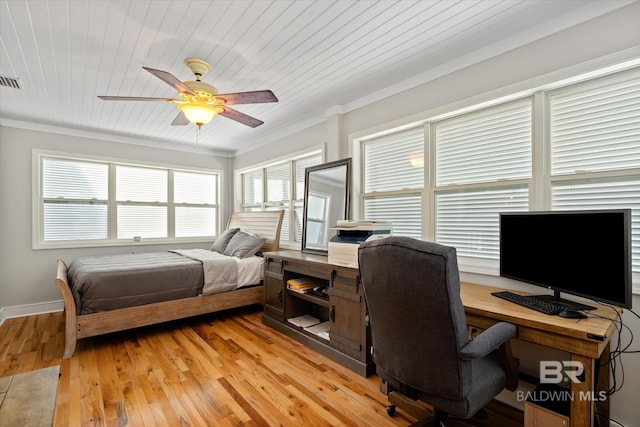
265, 224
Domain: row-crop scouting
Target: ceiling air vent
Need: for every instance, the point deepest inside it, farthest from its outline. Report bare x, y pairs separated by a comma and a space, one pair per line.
12, 82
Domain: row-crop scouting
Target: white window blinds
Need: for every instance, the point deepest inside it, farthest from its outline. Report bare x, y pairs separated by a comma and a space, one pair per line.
194, 196
252, 187
595, 126
403, 211
75, 199
278, 179
486, 145
394, 162
469, 220
595, 148
135, 184
94, 202
141, 195
301, 165
284, 190
486, 148
586, 156
393, 168
278, 192
300, 169
612, 193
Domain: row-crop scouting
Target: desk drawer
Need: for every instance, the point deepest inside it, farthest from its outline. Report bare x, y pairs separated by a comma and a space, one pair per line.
273, 265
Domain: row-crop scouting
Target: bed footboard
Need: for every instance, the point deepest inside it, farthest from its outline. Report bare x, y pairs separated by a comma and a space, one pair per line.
70, 317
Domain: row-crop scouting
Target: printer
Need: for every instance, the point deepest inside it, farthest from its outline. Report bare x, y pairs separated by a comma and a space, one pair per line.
343, 247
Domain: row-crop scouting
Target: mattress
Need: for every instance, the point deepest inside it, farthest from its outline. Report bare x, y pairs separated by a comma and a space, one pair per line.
117, 281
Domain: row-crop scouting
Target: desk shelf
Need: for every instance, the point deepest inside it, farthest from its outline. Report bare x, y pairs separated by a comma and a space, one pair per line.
323, 302
349, 337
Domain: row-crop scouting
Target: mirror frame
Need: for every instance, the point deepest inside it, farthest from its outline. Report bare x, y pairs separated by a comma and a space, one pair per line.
347, 197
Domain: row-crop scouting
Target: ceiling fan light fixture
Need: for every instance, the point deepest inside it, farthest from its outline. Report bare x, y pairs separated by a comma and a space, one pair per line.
200, 101
198, 113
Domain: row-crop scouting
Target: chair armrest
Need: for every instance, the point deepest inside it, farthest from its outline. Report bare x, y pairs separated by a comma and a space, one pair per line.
488, 341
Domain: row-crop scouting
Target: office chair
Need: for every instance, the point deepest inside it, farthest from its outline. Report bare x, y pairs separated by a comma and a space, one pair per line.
421, 345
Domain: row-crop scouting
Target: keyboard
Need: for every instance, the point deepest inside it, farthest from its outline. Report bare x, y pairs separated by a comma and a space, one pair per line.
531, 302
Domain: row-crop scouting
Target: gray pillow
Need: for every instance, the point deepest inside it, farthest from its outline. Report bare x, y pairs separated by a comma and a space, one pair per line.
223, 240
243, 245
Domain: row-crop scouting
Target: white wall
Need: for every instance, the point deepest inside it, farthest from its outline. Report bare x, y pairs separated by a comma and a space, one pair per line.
27, 275
283, 147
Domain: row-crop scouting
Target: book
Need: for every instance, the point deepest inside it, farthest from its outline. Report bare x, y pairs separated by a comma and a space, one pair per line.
301, 284
300, 291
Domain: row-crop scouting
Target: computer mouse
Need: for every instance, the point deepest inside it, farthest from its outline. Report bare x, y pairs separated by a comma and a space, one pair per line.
572, 314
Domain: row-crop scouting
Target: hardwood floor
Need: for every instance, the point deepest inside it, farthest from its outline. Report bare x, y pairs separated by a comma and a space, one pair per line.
223, 369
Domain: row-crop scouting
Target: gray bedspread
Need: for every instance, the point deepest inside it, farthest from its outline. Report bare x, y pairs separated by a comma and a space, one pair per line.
117, 281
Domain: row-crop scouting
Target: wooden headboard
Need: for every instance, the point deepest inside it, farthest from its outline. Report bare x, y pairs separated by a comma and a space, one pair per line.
264, 224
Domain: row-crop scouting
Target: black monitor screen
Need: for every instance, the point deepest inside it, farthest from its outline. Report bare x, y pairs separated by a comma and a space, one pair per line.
585, 253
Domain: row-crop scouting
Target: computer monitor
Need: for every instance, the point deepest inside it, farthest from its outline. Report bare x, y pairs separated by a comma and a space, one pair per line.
584, 253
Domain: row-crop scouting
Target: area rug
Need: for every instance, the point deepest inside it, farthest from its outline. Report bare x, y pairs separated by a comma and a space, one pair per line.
29, 399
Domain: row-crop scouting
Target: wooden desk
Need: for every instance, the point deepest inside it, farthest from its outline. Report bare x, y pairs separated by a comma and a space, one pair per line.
570, 335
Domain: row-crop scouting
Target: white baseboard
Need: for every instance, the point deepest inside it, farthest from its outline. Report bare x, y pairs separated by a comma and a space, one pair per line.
30, 309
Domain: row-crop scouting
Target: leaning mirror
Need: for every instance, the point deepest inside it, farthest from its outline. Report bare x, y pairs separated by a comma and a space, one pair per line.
326, 200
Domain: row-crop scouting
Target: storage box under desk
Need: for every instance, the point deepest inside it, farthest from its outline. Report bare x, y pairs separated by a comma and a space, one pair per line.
548, 405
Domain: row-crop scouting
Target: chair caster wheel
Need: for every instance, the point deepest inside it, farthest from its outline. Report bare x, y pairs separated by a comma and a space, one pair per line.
481, 414
391, 410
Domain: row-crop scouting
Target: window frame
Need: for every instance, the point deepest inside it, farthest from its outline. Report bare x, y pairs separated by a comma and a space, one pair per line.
360, 187
289, 205
478, 264
38, 202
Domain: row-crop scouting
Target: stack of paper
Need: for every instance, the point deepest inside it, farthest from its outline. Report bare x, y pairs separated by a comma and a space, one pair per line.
303, 321
321, 330
301, 284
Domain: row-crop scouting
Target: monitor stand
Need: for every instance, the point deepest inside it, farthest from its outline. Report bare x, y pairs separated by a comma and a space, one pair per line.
571, 305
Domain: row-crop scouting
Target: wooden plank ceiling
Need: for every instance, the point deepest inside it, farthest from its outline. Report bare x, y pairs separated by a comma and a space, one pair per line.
316, 56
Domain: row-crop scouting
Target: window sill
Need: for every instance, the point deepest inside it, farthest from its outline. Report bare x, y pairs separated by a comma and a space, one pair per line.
122, 242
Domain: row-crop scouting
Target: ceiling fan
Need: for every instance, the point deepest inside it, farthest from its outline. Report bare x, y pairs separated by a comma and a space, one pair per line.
200, 101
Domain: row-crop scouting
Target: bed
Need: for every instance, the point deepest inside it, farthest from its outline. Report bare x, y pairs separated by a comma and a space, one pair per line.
183, 301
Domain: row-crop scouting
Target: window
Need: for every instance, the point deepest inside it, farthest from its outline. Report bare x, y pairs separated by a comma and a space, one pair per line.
298, 213
195, 197
75, 197
482, 167
84, 202
595, 148
142, 200
570, 147
393, 167
280, 186
253, 190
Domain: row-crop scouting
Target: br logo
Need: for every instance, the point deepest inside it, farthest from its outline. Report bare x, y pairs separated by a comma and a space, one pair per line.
555, 372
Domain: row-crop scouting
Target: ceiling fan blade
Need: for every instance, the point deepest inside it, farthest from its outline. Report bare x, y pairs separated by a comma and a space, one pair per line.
253, 97
240, 117
134, 98
170, 79
180, 120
